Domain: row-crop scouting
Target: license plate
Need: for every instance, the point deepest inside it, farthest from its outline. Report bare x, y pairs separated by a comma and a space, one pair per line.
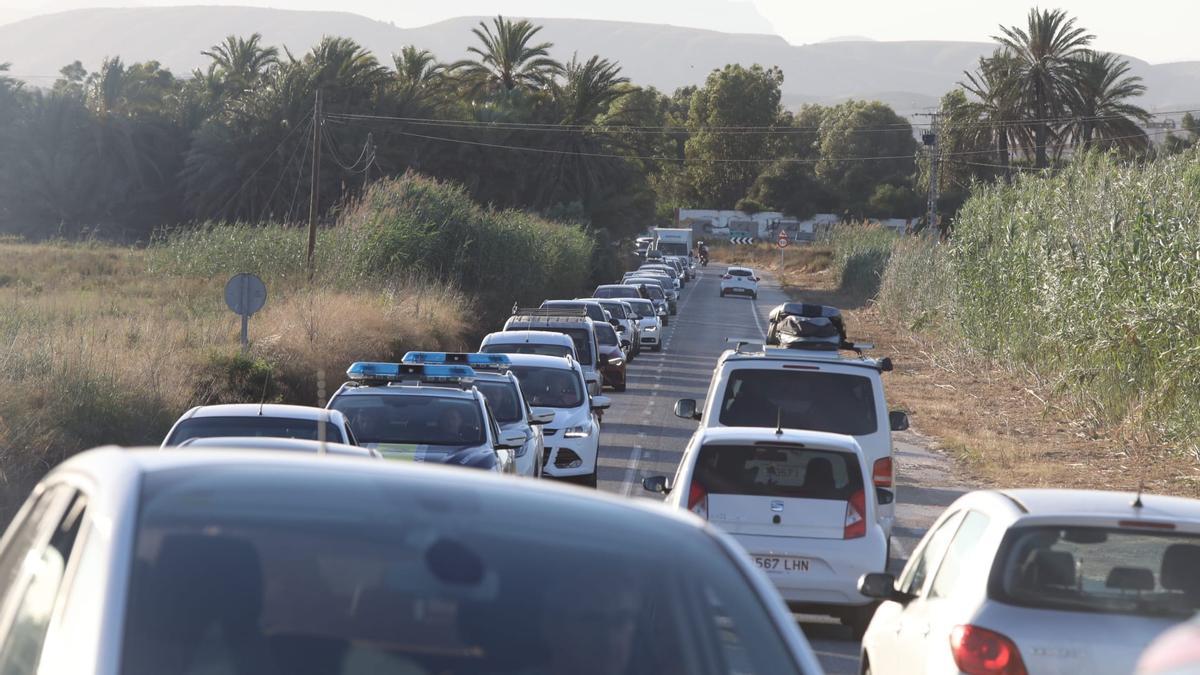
782, 564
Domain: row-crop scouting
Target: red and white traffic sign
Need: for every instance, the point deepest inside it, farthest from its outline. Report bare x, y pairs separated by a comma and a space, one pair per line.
783, 239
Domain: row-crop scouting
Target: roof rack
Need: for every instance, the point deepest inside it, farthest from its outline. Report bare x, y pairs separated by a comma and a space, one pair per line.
569, 312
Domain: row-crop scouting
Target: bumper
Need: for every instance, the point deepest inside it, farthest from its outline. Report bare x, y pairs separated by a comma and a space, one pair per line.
833, 567
651, 339
562, 452
738, 290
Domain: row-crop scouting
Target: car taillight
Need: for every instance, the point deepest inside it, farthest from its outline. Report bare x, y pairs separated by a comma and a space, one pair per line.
698, 500
881, 473
978, 651
856, 516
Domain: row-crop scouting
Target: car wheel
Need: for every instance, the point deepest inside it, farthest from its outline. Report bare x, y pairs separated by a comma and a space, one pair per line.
619, 387
722, 293
857, 619
588, 480
666, 321
754, 296
656, 348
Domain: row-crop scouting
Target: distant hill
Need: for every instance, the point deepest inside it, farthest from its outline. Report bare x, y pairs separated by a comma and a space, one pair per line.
908, 75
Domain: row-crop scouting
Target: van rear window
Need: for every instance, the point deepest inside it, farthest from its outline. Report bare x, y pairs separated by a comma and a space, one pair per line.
814, 401
778, 471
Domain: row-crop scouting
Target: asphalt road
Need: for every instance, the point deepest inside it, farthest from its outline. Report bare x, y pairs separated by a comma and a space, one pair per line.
642, 437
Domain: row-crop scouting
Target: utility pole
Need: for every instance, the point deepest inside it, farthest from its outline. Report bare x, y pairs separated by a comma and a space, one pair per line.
931, 141
370, 161
314, 189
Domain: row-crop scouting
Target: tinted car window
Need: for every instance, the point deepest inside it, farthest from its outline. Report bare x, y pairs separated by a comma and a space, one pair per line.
503, 398
1096, 569
272, 427
267, 570
739, 272
814, 401
528, 348
411, 419
583, 342
606, 335
616, 292
768, 471
644, 309
550, 387
928, 557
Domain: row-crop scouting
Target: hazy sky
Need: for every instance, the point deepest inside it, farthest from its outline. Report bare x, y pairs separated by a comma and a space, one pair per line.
1154, 30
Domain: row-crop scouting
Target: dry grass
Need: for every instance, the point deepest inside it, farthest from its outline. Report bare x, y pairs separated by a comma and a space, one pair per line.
1004, 428
95, 349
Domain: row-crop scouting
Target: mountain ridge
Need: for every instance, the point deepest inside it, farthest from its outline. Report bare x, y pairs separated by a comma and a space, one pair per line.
909, 75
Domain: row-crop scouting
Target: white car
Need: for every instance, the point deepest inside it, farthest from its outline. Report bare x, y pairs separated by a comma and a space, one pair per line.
280, 444
809, 389
544, 342
739, 281
625, 321
142, 562
650, 325
426, 413
495, 380
799, 502
251, 419
1038, 581
572, 438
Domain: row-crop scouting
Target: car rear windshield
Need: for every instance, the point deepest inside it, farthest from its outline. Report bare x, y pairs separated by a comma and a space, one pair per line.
616, 310
270, 427
798, 399
740, 273
606, 335
644, 310
503, 397
527, 348
655, 292
264, 569
412, 419
583, 342
617, 292
1097, 569
594, 312
550, 387
778, 471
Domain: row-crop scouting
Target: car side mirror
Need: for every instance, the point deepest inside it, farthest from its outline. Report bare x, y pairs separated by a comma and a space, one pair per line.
882, 586
885, 365
686, 408
657, 484
541, 416
898, 419
615, 323
511, 440
757, 279
601, 403
884, 496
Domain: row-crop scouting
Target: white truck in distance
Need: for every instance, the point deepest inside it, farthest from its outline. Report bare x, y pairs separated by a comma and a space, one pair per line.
673, 241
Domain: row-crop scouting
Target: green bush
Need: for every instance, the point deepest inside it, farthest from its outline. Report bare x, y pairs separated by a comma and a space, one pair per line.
860, 256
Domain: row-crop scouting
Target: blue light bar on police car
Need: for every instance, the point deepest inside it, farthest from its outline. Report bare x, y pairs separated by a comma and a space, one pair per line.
400, 372
478, 361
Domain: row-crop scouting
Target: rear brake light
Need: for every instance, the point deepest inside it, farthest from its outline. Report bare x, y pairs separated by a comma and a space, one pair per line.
698, 500
978, 651
802, 367
856, 516
881, 474
1146, 524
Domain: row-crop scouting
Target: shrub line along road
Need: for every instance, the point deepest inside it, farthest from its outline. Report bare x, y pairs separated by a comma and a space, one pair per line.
642, 437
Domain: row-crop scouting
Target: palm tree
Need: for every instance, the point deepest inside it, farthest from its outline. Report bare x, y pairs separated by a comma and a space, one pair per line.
419, 75
507, 61
1102, 115
997, 113
241, 63
1046, 50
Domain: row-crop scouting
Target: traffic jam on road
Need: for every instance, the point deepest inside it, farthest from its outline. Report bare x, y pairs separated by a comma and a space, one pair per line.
430, 519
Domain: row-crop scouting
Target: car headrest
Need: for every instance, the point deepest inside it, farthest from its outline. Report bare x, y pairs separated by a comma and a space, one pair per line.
818, 474
1050, 568
1181, 568
1130, 579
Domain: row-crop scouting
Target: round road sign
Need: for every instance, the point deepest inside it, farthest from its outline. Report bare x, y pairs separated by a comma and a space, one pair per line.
783, 239
245, 294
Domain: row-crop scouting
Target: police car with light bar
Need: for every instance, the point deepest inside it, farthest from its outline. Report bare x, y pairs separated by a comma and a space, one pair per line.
807, 384
425, 413
495, 380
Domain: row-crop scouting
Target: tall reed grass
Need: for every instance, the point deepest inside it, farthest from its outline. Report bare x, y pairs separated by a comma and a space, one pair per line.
1089, 278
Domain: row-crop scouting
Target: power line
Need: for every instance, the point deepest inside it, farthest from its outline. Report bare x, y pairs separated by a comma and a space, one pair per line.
253, 174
